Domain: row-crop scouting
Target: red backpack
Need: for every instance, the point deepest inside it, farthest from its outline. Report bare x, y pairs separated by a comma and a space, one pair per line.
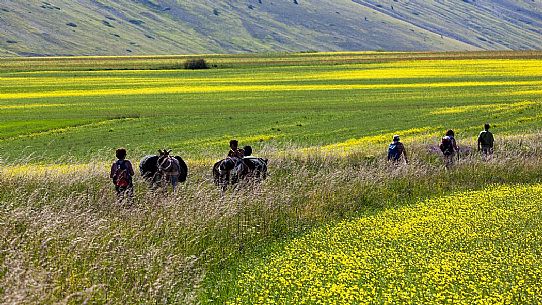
121, 177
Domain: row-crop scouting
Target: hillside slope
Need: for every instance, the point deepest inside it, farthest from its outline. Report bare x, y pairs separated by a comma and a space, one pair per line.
129, 27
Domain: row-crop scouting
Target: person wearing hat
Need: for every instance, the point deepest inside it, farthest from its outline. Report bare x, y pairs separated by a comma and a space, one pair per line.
396, 150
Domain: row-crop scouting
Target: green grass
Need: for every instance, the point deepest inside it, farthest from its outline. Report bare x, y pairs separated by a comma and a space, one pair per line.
66, 240
86, 114
324, 126
465, 248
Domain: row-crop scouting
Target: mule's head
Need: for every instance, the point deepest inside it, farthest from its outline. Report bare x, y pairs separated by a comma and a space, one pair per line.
164, 152
164, 161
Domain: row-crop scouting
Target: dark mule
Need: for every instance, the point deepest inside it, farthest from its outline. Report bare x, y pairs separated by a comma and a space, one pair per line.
163, 168
233, 170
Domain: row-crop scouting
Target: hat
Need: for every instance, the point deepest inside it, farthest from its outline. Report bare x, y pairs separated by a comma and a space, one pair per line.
395, 138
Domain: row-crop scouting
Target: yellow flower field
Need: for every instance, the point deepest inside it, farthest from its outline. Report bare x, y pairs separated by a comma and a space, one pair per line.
255, 88
50, 170
478, 247
129, 84
494, 108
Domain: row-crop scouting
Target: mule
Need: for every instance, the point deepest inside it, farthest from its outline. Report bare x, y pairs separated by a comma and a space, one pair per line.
233, 170
163, 169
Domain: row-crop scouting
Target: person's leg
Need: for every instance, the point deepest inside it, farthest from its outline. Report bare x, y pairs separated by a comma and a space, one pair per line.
487, 152
174, 180
490, 153
121, 193
129, 193
449, 160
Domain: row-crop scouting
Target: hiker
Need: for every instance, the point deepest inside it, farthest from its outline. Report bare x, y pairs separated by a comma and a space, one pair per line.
233, 168
247, 151
252, 162
449, 148
235, 152
396, 150
485, 142
121, 174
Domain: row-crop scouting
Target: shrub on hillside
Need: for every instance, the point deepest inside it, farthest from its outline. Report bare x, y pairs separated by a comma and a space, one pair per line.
196, 64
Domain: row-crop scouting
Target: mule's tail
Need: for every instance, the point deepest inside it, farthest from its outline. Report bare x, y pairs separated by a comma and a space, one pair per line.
183, 170
148, 166
216, 173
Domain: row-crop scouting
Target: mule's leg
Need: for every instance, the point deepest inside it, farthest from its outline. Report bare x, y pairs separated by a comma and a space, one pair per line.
224, 180
174, 180
155, 181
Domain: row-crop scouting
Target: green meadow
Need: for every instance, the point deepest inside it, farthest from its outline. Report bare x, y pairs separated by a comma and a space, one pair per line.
86, 114
324, 121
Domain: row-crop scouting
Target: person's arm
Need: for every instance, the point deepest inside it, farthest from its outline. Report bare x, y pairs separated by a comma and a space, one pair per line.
177, 164
492, 141
479, 141
112, 172
130, 168
404, 153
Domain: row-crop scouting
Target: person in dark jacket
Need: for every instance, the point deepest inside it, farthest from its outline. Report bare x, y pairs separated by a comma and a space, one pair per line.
121, 173
235, 152
449, 148
396, 150
486, 141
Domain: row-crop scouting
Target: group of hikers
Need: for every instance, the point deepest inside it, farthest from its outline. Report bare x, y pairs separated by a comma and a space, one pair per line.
122, 170
239, 153
448, 147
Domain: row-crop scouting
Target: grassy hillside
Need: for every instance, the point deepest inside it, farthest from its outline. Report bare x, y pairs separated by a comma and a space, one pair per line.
61, 27
504, 24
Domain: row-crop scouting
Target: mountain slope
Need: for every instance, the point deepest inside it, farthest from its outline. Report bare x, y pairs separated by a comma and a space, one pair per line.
128, 27
501, 24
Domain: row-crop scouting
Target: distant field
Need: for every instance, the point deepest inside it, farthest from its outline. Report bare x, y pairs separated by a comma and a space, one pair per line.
340, 100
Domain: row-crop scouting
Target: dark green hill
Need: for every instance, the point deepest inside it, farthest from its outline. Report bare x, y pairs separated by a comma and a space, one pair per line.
135, 27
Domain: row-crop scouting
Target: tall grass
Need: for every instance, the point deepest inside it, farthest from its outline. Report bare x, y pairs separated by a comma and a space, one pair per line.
65, 239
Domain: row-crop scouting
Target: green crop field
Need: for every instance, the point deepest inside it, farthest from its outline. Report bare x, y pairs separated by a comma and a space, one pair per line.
323, 120
86, 114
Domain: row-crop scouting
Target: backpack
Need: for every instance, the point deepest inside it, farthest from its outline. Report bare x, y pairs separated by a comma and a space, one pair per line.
485, 138
121, 177
393, 151
446, 145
